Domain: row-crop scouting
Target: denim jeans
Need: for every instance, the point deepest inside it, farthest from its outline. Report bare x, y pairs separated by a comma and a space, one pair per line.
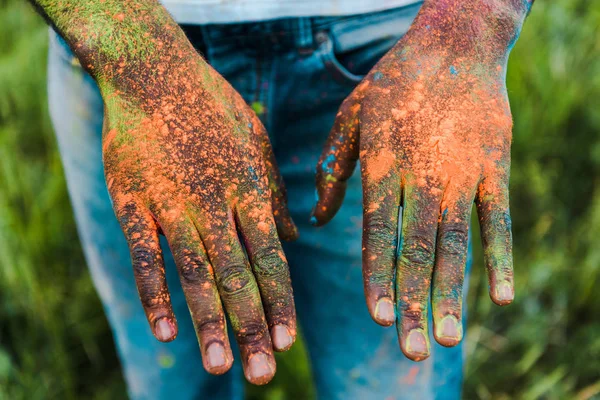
295, 72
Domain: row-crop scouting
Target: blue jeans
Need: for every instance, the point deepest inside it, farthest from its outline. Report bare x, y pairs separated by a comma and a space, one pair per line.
295, 72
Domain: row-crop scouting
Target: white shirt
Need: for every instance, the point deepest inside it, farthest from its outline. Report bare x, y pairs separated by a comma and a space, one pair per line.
232, 11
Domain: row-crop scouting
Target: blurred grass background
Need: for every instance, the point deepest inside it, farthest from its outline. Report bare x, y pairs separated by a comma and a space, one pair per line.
54, 339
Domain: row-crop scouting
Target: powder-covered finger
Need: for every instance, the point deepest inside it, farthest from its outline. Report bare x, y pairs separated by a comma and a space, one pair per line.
496, 236
381, 205
241, 298
337, 162
414, 269
271, 272
286, 227
200, 289
450, 261
141, 233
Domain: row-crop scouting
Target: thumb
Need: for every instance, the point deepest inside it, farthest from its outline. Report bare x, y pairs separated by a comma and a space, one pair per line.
337, 162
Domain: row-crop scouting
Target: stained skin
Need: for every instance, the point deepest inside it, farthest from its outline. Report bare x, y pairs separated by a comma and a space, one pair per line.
185, 156
431, 126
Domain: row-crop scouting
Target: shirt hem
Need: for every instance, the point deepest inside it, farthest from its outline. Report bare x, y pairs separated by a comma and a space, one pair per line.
218, 12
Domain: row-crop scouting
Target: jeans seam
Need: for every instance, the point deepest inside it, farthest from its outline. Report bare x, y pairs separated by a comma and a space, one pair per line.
207, 44
269, 100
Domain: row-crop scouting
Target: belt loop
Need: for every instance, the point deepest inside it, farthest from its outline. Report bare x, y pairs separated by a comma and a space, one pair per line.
304, 36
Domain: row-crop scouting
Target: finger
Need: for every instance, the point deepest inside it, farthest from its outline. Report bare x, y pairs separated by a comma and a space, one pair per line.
271, 272
414, 269
337, 162
141, 233
240, 295
496, 236
200, 289
381, 204
450, 260
285, 225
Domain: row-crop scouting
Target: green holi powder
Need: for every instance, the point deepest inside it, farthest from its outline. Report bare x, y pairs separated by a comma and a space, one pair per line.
130, 114
166, 360
103, 25
258, 107
116, 31
234, 321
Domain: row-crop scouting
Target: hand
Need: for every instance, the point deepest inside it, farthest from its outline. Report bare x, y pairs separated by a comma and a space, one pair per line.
184, 155
431, 125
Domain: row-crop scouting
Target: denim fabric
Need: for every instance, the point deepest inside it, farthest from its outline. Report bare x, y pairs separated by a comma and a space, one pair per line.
295, 72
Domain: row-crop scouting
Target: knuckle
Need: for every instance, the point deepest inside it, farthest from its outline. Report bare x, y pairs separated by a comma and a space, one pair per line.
234, 279
454, 238
379, 282
281, 312
213, 325
149, 302
377, 223
192, 267
498, 237
503, 237
418, 248
126, 212
142, 259
501, 266
506, 269
412, 316
268, 261
380, 233
151, 299
449, 304
502, 223
251, 333
192, 273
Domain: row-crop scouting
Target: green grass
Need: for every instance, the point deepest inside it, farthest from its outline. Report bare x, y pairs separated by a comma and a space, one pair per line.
54, 339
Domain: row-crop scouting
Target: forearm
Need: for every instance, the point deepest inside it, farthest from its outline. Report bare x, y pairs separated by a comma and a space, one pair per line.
112, 36
483, 30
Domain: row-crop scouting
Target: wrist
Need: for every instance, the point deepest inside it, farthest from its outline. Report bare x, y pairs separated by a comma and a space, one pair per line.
114, 38
481, 30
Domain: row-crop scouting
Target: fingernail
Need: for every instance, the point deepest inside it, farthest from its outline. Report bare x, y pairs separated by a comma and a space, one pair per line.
384, 311
282, 340
449, 328
505, 292
416, 344
164, 330
216, 356
260, 371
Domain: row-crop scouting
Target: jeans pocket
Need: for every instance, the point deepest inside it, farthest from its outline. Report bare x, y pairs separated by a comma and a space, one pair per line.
326, 53
350, 46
